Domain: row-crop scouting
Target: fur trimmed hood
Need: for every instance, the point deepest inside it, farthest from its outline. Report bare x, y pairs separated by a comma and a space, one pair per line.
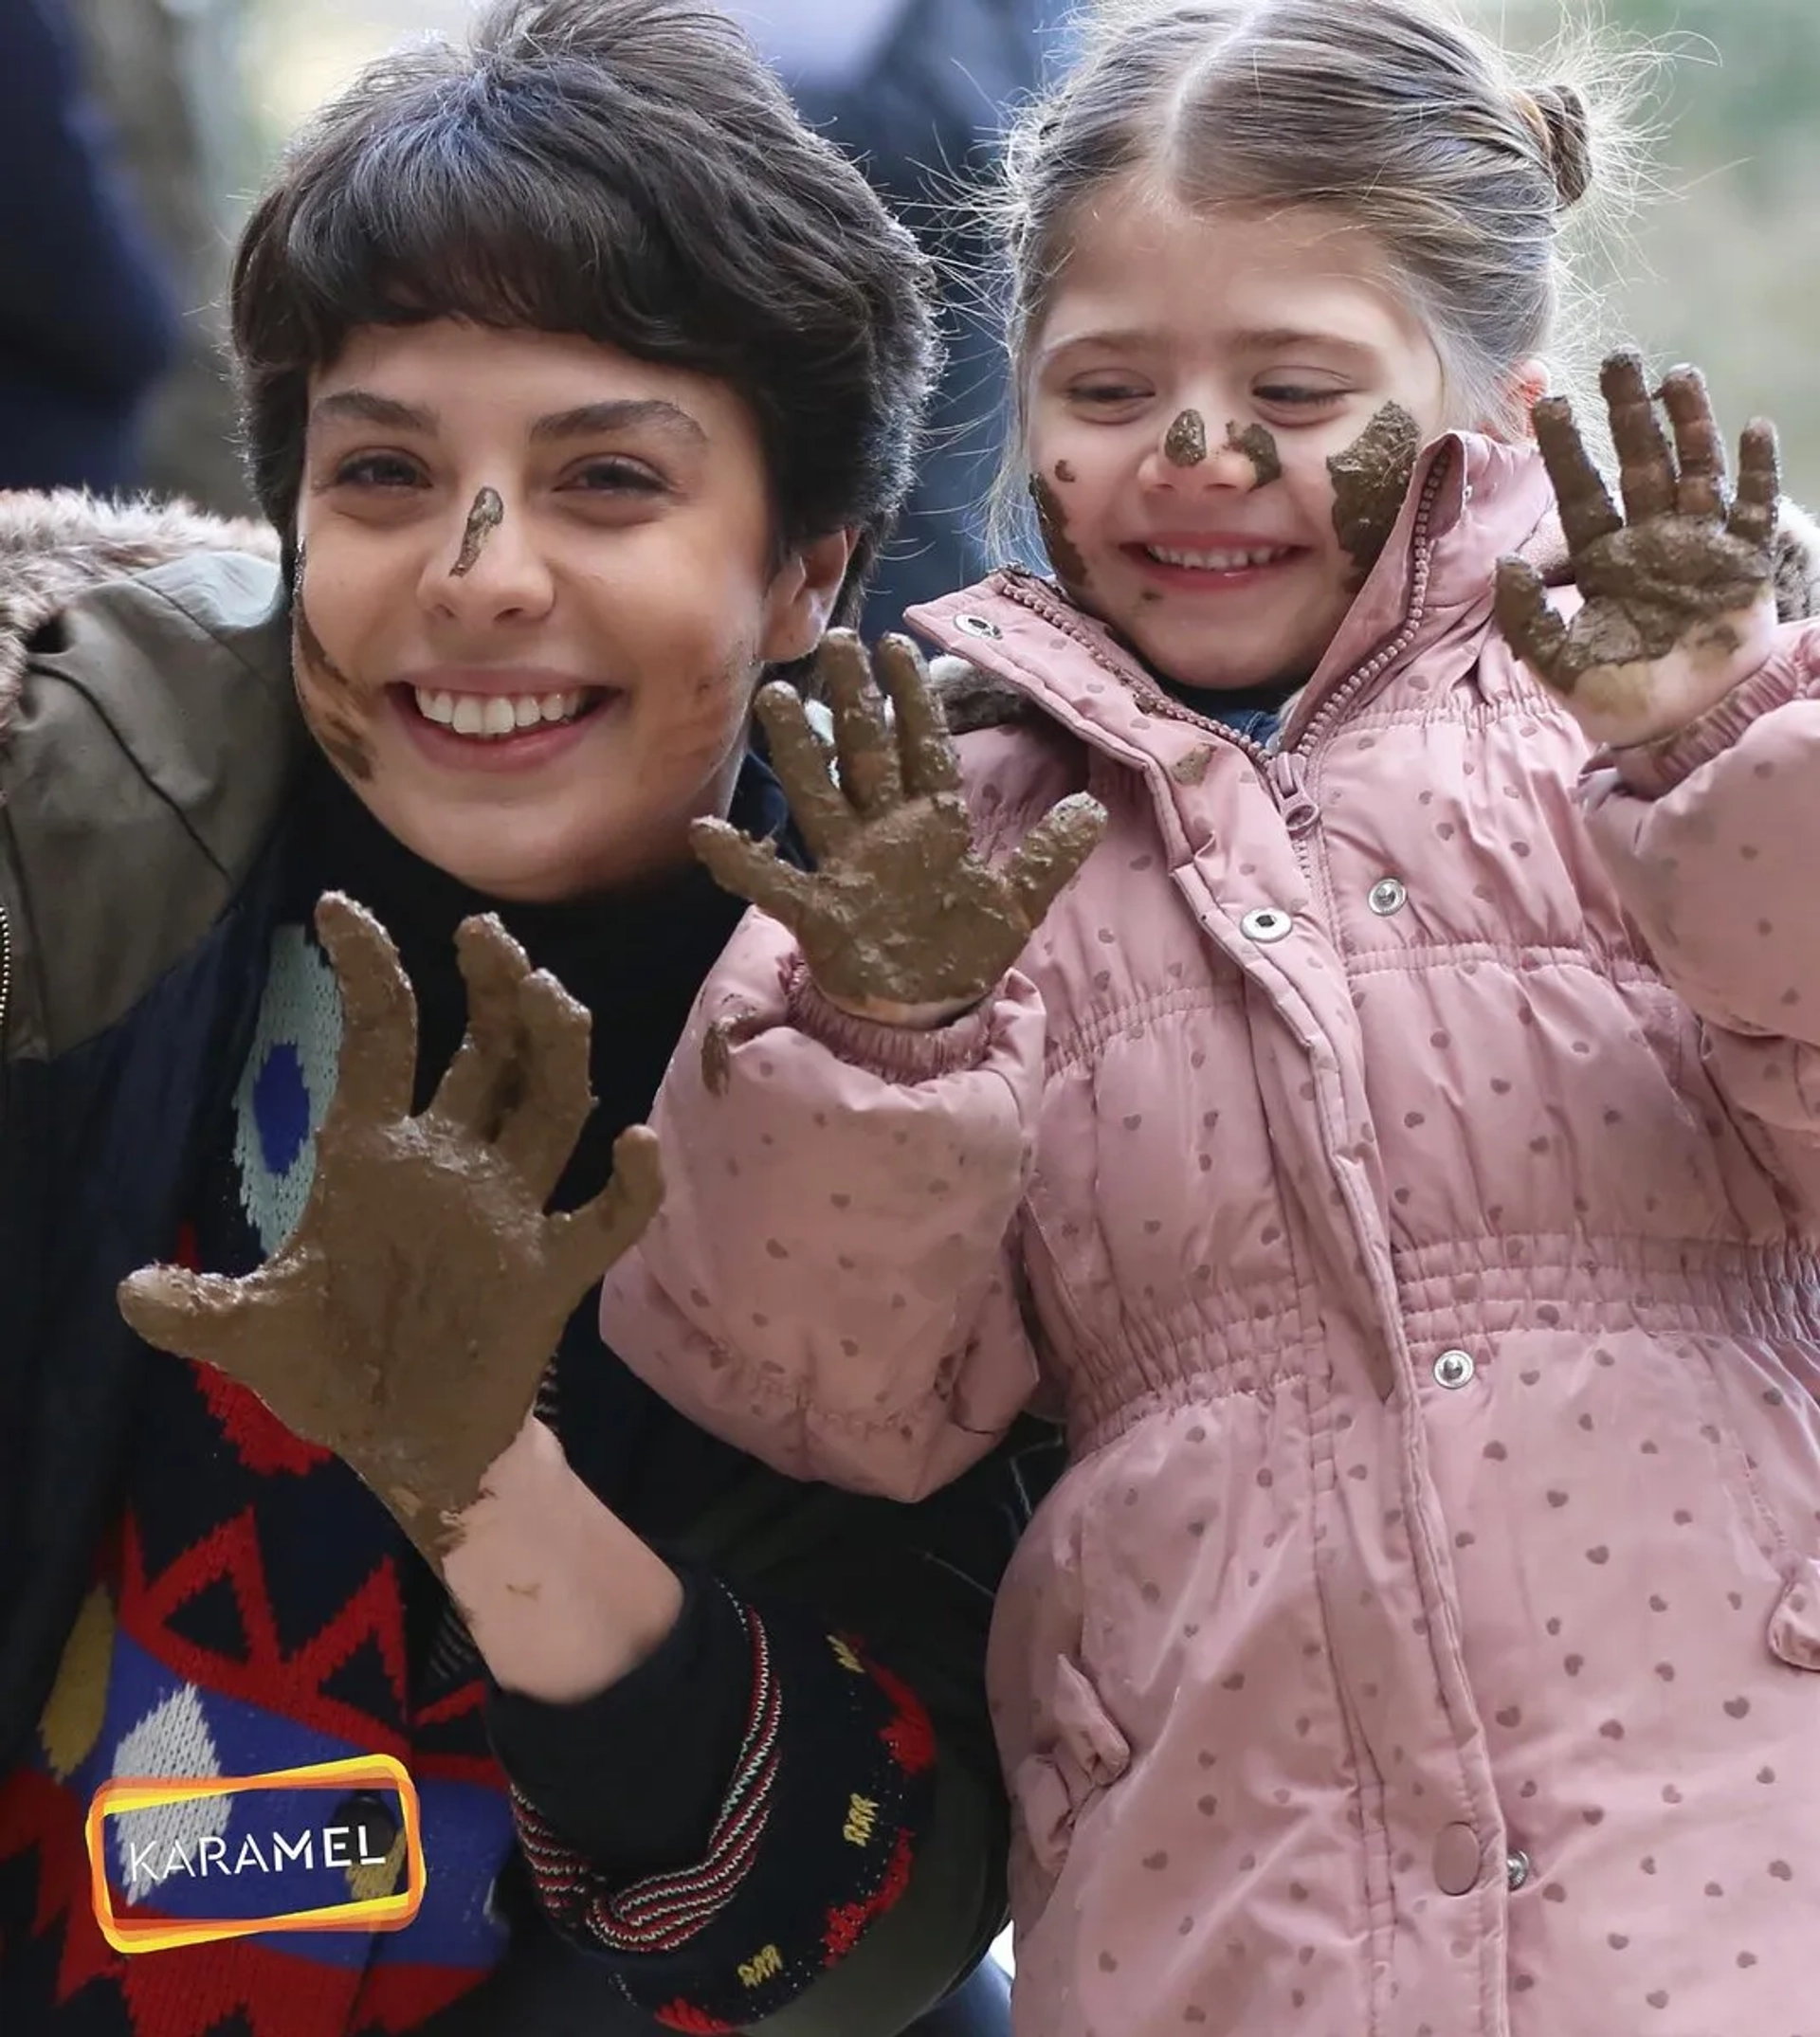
1797, 564
56, 547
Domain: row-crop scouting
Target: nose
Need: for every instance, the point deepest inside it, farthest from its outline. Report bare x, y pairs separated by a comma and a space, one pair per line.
484, 563
1196, 456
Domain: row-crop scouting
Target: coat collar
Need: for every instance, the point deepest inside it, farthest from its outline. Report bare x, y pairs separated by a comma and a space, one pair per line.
1470, 500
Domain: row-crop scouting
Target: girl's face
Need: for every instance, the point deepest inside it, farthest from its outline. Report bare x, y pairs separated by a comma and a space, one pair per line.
537, 586
1191, 382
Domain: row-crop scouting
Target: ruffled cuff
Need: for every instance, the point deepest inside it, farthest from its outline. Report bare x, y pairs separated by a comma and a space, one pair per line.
894, 1053
1650, 769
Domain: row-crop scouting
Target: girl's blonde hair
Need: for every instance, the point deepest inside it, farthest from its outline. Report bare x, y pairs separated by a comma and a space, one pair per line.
1393, 112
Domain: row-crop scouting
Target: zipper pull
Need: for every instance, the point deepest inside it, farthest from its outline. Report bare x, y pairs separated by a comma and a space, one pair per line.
1295, 801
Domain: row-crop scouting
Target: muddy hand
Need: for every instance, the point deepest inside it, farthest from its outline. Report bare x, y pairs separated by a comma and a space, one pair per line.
407, 1321
900, 916
1679, 604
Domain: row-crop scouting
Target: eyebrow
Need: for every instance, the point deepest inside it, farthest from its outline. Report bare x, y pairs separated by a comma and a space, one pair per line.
364, 407
367, 406
623, 414
1274, 338
1257, 340
1121, 342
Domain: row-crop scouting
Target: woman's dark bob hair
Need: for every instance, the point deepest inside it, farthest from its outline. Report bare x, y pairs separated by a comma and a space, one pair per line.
628, 170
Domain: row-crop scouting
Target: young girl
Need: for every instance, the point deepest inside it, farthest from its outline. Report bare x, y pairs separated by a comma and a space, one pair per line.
582, 382
1397, 1153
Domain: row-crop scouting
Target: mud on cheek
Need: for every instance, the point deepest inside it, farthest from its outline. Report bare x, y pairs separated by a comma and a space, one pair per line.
1257, 445
1371, 481
685, 730
1052, 521
330, 702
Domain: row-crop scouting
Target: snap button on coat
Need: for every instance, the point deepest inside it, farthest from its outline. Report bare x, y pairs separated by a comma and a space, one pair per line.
1454, 1369
1266, 923
1456, 1860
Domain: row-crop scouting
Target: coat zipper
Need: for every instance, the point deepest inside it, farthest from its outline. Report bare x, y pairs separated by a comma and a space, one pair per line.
1284, 770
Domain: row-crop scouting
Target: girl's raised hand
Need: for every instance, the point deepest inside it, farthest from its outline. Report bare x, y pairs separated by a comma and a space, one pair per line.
900, 921
1679, 605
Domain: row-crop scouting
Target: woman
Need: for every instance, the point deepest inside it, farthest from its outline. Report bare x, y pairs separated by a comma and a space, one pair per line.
566, 439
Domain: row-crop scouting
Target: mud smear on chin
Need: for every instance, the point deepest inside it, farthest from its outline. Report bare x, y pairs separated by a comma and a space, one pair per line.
337, 718
1371, 483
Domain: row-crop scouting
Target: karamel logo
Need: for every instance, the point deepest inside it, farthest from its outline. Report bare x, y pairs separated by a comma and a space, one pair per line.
267, 1855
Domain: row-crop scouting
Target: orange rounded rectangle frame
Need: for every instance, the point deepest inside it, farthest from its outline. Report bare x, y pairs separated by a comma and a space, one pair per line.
376, 1913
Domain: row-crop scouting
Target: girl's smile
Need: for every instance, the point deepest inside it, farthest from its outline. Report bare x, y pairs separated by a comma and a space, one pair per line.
1212, 562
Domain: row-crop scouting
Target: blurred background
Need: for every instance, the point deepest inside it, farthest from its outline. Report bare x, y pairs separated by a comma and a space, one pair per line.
1721, 266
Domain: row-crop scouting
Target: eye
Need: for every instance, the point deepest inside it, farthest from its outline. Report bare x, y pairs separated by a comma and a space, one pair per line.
1108, 400
377, 470
1296, 396
613, 477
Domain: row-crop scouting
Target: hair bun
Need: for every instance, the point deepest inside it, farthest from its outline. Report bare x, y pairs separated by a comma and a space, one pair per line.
1569, 135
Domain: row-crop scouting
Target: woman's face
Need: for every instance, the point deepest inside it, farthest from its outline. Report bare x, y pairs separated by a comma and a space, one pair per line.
537, 582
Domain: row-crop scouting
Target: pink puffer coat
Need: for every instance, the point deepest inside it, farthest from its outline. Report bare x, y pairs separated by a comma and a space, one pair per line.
1399, 1160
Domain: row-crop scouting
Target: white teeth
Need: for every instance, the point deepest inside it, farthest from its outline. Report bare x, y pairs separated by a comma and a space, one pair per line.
488, 717
1217, 561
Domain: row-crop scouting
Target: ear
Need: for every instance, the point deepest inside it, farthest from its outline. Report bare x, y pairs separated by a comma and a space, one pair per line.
1528, 382
802, 596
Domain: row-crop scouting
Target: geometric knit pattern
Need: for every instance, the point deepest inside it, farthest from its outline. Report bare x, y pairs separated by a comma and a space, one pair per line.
255, 1609
286, 1086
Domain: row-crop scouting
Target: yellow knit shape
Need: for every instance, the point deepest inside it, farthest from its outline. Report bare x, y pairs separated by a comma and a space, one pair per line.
370, 1883
78, 1704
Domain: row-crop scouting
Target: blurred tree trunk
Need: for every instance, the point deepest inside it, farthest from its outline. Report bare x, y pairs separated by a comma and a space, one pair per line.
166, 73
